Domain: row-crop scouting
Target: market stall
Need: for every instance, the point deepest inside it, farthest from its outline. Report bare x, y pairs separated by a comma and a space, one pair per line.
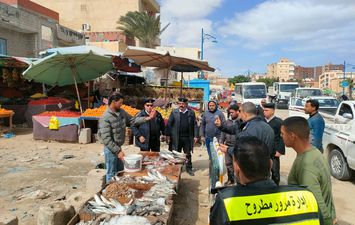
167, 60
66, 128
6, 114
91, 117
142, 196
14, 90
35, 107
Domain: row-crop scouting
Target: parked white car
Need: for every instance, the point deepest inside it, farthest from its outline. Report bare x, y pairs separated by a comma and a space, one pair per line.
327, 106
339, 142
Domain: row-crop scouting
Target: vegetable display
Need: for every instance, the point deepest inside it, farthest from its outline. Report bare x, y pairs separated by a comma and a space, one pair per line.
5, 111
64, 113
98, 112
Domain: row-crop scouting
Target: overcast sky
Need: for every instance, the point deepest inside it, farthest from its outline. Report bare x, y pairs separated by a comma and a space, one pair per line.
254, 33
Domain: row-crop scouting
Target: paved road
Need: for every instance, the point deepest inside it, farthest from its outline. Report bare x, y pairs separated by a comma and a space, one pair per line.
343, 191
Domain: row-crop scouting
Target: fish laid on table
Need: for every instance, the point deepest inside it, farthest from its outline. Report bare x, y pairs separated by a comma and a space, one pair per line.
128, 220
103, 205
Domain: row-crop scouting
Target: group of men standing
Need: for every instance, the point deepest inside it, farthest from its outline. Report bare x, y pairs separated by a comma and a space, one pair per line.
253, 143
259, 142
148, 128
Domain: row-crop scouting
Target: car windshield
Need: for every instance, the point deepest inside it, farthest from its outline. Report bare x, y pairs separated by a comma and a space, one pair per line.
324, 103
288, 87
309, 92
254, 91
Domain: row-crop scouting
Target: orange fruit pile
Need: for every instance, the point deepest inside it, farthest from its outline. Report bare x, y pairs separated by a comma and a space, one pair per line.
96, 112
5, 111
130, 110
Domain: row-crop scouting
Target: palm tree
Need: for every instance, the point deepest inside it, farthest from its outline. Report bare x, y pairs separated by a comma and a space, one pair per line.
141, 25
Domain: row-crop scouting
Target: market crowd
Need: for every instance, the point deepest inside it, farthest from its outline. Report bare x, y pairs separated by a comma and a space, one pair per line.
253, 140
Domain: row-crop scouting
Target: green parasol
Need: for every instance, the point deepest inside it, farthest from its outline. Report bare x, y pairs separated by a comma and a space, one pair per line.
65, 68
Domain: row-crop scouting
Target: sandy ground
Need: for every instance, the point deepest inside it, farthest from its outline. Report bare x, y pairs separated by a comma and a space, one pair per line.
37, 172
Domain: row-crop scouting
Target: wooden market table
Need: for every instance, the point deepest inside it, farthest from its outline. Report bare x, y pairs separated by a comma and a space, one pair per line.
172, 172
7, 115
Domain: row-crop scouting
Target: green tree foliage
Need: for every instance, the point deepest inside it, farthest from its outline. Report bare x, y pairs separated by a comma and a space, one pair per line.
141, 25
238, 79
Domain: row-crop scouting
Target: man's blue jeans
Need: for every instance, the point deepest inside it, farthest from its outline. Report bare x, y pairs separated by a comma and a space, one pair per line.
208, 142
113, 164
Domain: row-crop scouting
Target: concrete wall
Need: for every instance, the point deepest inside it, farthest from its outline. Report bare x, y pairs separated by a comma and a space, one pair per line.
115, 46
19, 44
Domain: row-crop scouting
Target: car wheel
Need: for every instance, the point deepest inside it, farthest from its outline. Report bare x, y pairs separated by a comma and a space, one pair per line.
338, 166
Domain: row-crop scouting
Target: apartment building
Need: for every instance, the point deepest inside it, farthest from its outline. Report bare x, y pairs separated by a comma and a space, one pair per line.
284, 70
98, 19
332, 80
314, 72
26, 28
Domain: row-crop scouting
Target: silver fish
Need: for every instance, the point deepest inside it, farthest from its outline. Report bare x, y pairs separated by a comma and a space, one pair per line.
98, 200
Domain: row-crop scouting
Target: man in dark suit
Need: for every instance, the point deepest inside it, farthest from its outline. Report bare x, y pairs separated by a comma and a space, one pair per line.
182, 131
279, 146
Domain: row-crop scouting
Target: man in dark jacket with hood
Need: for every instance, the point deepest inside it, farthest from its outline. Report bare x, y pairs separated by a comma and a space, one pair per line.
147, 135
182, 131
208, 129
230, 140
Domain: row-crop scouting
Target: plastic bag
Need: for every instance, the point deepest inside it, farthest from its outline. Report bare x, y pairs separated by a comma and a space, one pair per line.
220, 156
53, 123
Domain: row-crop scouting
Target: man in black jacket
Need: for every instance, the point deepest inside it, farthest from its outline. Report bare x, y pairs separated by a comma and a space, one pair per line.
252, 126
182, 131
279, 146
148, 134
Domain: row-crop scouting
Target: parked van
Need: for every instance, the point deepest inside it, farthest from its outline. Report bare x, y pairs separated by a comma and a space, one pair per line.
250, 92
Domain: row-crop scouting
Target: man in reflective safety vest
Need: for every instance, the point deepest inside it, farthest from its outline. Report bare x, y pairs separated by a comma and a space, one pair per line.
258, 200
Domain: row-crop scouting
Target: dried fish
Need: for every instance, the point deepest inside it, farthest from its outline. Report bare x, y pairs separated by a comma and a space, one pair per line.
98, 200
107, 202
166, 156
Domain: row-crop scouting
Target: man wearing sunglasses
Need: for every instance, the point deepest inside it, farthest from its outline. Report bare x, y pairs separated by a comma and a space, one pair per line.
148, 134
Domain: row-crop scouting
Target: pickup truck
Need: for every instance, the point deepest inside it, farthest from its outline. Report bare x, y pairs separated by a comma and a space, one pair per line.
281, 92
339, 142
327, 106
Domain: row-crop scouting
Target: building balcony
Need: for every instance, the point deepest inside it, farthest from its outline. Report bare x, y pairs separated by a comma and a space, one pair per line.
69, 36
115, 36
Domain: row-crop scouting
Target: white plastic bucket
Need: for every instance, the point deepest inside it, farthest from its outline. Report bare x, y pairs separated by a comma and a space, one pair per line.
133, 163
